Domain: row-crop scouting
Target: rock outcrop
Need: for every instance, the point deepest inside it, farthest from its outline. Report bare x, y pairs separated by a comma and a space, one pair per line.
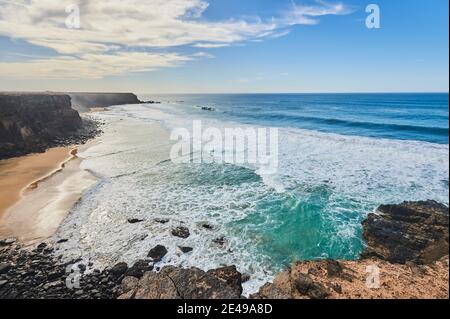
177, 283
32, 123
83, 102
414, 232
406, 257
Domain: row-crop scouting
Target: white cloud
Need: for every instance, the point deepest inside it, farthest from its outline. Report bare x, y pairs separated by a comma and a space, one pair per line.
113, 30
308, 14
94, 66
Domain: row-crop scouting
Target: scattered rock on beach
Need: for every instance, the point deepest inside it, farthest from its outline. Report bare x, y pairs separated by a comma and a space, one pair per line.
157, 253
207, 226
161, 221
221, 241
4, 267
181, 231
7, 242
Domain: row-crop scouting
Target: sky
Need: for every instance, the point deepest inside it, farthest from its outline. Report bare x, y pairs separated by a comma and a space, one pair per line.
223, 46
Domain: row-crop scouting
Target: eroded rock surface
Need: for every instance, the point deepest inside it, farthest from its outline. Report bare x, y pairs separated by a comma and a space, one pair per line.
177, 283
406, 257
414, 232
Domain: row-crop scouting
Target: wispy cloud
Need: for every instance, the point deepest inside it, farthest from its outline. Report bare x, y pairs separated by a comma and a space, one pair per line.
309, 14
114, 33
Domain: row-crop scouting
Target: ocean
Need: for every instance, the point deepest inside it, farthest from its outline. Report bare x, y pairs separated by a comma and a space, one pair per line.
340, 157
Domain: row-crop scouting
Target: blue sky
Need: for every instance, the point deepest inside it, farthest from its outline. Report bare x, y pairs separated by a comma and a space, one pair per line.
198, 46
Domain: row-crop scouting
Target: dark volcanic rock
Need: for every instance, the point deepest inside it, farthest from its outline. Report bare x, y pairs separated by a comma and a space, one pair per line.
186, 249
4, 267
38, 274
182, 232
415, 232
139, 268
135, 220
119, 269
177, 283
157, 253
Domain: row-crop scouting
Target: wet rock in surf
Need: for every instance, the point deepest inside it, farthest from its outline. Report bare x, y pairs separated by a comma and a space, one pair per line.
177, 283
119, 269
161, 221
135, 220
157, 253
221, 241
186, 249
416, 232
182, 232
207, 226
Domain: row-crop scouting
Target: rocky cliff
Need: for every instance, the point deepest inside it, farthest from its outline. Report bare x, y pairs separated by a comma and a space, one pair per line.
33, 122
82, 102
406, 257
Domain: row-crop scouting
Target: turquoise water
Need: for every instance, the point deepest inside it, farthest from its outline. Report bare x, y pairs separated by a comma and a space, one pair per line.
340, 157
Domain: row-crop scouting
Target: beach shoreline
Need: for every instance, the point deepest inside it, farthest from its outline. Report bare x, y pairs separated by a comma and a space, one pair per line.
20, 173
40, 191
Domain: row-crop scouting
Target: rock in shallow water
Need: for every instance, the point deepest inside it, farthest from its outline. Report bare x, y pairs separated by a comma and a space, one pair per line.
135, 220
410, 232
157, 253
182, 232
186, 249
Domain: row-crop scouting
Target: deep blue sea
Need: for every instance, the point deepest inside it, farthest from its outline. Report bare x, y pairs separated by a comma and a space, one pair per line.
420, 117
340, 157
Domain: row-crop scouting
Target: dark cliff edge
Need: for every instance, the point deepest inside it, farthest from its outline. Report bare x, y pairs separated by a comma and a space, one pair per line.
83, 102
33, 122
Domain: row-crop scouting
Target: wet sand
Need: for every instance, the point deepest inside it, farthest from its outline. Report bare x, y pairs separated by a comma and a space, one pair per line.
17, 174
38, 191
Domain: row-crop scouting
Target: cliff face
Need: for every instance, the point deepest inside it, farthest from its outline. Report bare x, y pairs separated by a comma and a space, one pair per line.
33, 122
82, 102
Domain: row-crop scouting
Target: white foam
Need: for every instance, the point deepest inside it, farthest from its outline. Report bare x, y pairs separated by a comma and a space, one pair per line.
358, 173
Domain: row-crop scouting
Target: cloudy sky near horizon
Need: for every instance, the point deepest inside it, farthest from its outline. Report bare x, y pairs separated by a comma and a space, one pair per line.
200, 46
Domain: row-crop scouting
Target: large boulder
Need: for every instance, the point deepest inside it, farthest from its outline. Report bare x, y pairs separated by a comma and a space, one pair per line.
415, 232
178, 283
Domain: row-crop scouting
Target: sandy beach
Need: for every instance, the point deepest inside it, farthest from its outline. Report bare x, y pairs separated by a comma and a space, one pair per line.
38, 190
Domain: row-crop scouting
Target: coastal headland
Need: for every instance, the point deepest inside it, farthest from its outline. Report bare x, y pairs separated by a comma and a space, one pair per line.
406, 254
40, 133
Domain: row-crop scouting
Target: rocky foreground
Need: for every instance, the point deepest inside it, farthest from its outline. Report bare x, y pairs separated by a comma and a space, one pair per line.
406, 257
